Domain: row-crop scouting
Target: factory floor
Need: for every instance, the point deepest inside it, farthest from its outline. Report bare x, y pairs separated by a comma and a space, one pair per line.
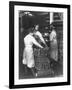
55, 70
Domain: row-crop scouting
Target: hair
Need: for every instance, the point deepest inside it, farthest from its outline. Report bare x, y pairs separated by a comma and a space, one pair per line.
31, 30
36, 25
52, 27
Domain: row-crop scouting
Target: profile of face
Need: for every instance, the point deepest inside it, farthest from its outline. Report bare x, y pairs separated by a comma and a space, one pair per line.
36, 27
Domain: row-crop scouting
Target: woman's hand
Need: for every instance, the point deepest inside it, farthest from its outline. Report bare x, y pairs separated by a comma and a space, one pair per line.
41, 47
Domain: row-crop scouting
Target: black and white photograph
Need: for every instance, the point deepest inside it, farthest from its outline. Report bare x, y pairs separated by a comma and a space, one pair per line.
40, 44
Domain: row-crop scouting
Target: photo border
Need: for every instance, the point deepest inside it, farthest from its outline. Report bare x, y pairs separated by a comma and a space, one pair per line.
11, 43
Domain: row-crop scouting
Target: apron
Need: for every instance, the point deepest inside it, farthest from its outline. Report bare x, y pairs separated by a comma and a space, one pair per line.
28, 57
54, 50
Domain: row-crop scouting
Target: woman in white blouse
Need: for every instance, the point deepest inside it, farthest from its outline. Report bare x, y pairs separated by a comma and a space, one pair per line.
28, 55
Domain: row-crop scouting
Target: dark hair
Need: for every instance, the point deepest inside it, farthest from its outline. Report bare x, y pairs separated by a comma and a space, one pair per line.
52, 27
31, 30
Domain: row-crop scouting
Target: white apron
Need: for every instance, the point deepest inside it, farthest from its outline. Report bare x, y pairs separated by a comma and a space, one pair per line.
28, 57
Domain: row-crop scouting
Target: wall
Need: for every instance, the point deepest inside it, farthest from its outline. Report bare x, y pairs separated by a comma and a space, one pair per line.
4, 43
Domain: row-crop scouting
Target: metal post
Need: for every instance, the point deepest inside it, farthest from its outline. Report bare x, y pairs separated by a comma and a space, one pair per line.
51, 17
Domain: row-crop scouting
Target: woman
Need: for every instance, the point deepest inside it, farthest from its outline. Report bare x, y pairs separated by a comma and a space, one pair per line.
53, 44
39, 35
28, 56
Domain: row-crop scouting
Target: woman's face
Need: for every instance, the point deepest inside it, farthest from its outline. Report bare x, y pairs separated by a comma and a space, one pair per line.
36, 27
49, 31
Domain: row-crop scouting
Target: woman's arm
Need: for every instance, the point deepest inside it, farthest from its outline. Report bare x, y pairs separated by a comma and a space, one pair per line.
36, 43
40, 36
